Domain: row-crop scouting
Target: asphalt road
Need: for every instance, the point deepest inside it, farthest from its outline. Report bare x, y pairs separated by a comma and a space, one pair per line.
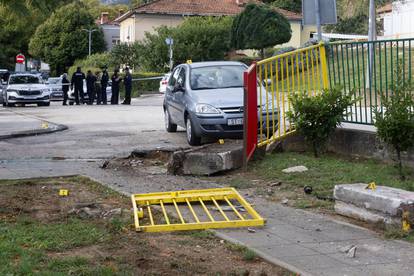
95, 132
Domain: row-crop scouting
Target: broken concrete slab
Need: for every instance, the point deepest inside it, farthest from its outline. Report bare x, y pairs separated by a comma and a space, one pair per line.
207, 160
383, 204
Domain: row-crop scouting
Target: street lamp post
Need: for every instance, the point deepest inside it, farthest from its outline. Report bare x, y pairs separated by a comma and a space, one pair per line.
90, 31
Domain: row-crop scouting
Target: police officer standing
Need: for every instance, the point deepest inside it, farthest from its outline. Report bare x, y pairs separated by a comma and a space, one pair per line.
116, 79
128, 86
104, 84
65, 88
90, 86
77, 82
98, 90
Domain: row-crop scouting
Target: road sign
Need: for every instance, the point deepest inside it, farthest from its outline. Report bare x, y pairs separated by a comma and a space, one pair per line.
20, 58
327, 9
169, 41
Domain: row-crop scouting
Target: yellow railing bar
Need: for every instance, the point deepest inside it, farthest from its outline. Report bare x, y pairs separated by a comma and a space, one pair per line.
167, 220
134, 206
287, 54
287, 83
234, 209
247, 206
313, 73
150, 213
206, 210
302, 61
307, 72
293, 72
178, 212
324, 67
278, 97
192, 210
297, 70
260, 103
220, 210
283, 95
267, 102
272, 87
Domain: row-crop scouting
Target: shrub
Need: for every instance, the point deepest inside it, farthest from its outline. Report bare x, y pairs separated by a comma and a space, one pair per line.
94, 63
316, 117
395, 122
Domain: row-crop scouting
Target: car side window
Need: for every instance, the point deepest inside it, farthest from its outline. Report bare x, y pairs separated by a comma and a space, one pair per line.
174, 77
181, 77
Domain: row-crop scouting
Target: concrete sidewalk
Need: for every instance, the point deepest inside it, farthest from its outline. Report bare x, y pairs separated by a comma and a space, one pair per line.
14, 124
304, 242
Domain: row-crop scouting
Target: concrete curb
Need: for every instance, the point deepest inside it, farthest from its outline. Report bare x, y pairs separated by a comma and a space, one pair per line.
34, 132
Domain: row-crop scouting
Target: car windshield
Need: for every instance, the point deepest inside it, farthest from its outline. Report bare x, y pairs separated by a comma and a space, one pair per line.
24, 80
54, 80
214, 77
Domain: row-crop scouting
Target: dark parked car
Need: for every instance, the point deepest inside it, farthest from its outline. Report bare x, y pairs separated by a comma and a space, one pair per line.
206, 98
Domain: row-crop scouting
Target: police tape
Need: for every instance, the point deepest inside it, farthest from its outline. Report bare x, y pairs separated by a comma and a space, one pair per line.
139, 79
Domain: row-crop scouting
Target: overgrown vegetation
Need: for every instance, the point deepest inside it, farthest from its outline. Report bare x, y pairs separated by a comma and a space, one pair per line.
316, 117
395, 120
254, 28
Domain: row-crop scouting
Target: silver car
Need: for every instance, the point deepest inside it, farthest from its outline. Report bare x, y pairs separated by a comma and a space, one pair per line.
206, 98
25, 88
55, 85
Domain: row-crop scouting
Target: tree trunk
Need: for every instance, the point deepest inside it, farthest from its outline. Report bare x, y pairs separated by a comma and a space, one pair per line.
315, 150
262, 54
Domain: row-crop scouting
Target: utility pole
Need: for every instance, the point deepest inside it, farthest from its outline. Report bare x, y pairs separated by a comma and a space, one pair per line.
318, 20
90, 31
372, 36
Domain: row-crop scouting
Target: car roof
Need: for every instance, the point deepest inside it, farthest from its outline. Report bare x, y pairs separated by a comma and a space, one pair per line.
214, 63
24, 74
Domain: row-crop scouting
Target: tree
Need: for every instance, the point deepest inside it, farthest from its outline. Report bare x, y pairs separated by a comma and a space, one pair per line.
197, 39
259, 27
396, 123
290, 5
60, 40
125, 54
17, 28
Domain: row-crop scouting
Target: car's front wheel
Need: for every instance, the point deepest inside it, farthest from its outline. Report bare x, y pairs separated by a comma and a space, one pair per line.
192, 137
169, 126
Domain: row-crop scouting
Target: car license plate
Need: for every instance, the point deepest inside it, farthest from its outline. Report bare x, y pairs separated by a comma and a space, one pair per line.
235, 122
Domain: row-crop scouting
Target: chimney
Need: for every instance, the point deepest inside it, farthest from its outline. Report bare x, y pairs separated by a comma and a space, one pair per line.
104, 18
240, 3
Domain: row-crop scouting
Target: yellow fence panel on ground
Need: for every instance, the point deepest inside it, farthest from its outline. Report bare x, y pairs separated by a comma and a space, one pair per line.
194, 209
282, 75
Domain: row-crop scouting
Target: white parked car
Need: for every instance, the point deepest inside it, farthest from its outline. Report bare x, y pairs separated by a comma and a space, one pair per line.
164, 83
55, 85
25, 88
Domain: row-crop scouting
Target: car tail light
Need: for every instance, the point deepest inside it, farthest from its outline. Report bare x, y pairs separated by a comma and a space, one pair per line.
164, 82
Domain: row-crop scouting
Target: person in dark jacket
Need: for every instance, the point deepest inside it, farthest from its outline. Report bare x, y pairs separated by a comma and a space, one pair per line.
104, 84
116, 80
128, 86
65, 88
77, 83
98, 90
90, 86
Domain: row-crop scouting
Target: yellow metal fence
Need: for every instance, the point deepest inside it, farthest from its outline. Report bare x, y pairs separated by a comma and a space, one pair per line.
279, 77
195, 209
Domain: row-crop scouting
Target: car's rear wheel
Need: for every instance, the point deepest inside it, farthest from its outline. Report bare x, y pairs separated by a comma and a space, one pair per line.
10, 104
4, 104
192, 137
169, 126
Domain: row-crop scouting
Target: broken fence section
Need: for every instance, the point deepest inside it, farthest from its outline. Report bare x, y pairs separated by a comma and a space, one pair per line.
194, 209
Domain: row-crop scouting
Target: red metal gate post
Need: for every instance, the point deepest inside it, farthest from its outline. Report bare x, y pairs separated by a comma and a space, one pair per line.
250, 113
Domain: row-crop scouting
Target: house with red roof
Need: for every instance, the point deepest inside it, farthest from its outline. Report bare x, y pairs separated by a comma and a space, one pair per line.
156, 13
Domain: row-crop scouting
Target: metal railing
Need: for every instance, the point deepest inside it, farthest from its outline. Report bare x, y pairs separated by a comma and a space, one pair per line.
370, 69
282, 75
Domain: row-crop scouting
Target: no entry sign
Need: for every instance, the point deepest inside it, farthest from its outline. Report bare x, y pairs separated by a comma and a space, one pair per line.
20, 58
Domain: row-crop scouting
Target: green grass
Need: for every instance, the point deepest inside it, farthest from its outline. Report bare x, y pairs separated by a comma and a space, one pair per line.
248, 254
327, 171
25, 244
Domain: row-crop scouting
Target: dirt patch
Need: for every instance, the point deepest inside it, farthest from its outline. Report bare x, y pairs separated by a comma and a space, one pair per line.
121, 249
